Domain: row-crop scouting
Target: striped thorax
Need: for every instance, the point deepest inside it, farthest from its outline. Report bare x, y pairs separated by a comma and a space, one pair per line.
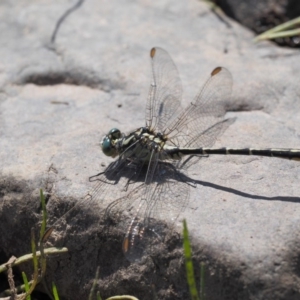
138, 145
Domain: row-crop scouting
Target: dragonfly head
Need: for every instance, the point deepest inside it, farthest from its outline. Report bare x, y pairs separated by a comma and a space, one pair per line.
108, 143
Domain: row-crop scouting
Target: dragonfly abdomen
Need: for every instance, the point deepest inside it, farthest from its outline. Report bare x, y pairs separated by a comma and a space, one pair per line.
292, 154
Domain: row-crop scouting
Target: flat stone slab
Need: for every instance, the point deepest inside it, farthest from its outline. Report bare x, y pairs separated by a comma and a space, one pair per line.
58, 100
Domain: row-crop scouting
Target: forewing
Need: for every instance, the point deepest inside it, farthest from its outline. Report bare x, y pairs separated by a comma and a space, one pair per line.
195, 126
165, 90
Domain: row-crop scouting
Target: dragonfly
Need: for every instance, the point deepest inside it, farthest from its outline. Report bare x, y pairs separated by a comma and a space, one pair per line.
148, 184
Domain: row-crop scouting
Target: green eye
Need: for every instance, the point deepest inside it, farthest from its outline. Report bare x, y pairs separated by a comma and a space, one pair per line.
107, 147
108, 143
114, 133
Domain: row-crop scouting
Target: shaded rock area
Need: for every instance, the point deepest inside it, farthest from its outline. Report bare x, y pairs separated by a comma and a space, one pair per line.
263, 15
58, 99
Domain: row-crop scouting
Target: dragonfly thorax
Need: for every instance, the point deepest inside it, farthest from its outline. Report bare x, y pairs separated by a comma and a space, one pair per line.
138, 145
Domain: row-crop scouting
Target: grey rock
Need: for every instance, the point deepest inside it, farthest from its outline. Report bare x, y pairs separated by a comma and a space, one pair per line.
58, 100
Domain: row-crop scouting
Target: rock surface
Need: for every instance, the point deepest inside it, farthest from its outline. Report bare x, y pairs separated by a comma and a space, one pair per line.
57, 101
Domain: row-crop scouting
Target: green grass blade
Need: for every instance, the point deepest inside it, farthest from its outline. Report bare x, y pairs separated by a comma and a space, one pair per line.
122, 297
45, 216
44, 234
54, 291
26, 285
286, 29
287, 25
189, 263
276, 35
92, 291
202, 282
33, 250
98, 296
35, 276
43, 261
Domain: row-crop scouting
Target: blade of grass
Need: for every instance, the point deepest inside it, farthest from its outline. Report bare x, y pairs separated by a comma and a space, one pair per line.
282, 30
276, 35
45, 216
287, 25
98, 296
189, 263
26, 285
202, 283
35, 268
43, 260
35, 276
54, 291
33, 249
94, 286
122, 297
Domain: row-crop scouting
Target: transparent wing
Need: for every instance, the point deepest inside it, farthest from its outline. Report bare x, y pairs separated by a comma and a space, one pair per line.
120, 178
165, 90
171, 194
206, 138
196, 126
137, 238
144, 211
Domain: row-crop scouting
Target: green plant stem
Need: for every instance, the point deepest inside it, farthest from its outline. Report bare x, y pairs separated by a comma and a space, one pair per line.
94, 286
45, 216
287, 25
281, 30
27, 257
26, 285
54, 291
276, 35
202, 283
123, 297
189, 263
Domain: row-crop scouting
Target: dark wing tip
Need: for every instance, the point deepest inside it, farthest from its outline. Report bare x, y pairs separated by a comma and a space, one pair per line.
216, 71
152, 52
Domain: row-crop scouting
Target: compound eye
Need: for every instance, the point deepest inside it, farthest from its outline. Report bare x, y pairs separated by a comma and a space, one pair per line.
114, 133
107, 147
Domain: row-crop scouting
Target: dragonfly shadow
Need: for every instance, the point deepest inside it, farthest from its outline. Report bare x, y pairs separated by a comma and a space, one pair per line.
247, 195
